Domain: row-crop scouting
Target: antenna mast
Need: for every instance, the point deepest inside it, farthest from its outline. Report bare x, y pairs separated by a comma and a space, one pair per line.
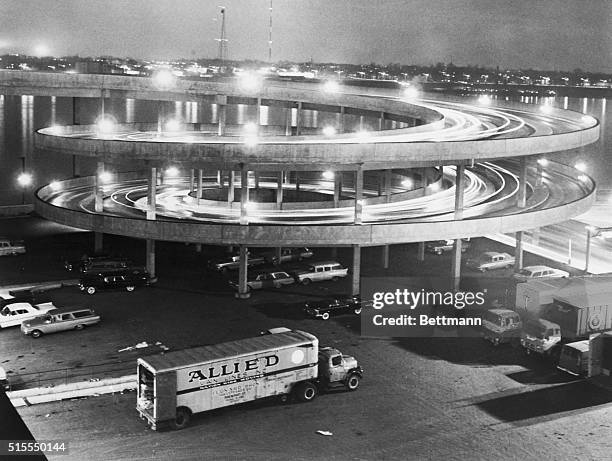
222, 55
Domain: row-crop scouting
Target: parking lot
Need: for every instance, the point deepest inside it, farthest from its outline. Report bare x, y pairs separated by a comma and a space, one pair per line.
421, 398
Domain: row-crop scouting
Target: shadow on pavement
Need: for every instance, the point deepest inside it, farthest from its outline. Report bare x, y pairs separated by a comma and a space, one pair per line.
550, 402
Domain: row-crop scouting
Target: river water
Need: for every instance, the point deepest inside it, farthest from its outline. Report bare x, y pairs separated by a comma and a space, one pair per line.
20, 116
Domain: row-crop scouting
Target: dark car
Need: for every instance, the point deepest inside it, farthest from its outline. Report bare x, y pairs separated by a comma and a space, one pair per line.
94, 262
127, 279
335, 306
443, 246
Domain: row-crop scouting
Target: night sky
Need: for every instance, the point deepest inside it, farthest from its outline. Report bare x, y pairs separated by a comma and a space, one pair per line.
539, 34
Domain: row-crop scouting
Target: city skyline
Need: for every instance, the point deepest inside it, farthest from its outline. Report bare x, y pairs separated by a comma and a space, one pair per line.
554, 35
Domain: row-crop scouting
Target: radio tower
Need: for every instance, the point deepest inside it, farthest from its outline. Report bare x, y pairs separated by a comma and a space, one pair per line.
222, 56
270, 36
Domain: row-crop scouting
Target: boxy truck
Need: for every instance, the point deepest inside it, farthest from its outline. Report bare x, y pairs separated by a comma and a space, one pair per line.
175, 385
576, 312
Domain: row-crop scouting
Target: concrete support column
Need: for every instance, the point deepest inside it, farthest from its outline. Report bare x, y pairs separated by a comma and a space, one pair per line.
258, 114
243, 288
385, 256
518, 252
198, 248
288, 122
381, 182
151, 257
76, 120
102, 102
200, 185
278, 254
361, 122
456, 264
381, 121
230, 187
539, 172
191, 180
356, 271
98, 242
341, 124
297, 183
456, 256
421, 252
219, 179
244, 194
98, 193
257, 180
279, 190
151, 193
221, 101
522, 185
459, 191
298, 124
358, 195
334, 253
388, 185
337, 188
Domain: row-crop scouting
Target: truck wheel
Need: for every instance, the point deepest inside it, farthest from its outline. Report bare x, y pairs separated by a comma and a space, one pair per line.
284, 398
306, 392
325, 316
352, 382
183, 416
36, 334
130, 288
91, 290
306, 281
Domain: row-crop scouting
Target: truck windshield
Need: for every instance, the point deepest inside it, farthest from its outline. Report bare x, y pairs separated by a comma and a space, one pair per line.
535, 329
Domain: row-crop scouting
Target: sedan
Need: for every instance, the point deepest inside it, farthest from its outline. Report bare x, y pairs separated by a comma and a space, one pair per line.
335, 306
537, 272
274, 279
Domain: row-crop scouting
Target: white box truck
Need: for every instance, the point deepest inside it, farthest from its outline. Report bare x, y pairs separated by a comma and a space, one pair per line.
173, 386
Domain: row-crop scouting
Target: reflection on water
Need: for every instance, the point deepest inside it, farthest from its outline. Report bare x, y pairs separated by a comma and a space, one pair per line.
21, 115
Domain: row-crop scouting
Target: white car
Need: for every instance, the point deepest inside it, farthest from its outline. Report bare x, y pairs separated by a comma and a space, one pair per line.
11, 247
537, 272
13, 314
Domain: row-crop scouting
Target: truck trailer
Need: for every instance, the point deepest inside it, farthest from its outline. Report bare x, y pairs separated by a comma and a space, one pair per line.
577, 311
284, 363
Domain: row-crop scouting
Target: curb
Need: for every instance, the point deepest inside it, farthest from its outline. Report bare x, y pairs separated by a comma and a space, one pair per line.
38, 395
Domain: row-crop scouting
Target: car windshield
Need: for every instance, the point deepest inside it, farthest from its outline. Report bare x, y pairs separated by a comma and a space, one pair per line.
526, 272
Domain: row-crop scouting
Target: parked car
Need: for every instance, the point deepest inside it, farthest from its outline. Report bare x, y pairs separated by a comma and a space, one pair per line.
274, 279
233, 262
536, 272
97, 263
11, 247
15, 313
334, 306
442, 246
320, 271
127, 279
76, 264
60, 320
288, 255
491, 260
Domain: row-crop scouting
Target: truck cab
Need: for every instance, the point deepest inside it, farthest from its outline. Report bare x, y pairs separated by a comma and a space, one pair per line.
574, 358
501, 326
336, 369
540, 336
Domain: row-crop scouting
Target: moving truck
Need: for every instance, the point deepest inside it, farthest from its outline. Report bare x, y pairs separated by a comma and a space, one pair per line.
173, 386
573, 316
